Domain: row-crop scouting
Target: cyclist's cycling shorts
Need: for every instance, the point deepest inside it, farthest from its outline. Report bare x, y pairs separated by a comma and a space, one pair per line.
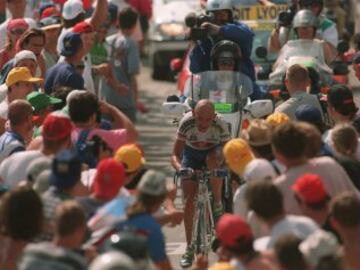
194, 158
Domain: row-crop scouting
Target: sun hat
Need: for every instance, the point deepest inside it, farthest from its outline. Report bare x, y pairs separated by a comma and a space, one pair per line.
56, 126
131, 156
237, 154
109, 178
40, 100
277, 118
72, 8
230, 228
258, 133
310, 188
65, 169
258, 170
17, 24
153, 183
21, 74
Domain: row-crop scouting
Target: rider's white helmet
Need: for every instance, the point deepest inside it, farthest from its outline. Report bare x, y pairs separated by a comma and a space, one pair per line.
304, 18
214, 5
113, 260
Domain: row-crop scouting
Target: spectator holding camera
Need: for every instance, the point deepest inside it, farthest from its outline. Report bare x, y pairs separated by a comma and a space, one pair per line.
221, 27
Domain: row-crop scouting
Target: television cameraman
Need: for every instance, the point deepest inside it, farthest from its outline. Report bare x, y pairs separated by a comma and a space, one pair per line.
220, 25
326, 29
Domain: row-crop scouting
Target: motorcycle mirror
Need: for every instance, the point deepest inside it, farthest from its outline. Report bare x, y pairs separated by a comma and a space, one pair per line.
174, 108
261, 52
342, 46
176, 64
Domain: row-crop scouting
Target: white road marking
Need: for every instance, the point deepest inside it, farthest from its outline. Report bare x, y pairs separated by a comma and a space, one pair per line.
175, 248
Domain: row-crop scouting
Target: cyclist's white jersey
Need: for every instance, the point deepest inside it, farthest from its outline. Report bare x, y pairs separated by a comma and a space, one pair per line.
216, 134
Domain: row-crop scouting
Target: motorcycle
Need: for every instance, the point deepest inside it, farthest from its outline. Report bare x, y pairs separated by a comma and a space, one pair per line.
229, 92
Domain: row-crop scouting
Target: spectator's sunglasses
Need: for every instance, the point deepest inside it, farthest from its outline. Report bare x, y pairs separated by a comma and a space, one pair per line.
18, 31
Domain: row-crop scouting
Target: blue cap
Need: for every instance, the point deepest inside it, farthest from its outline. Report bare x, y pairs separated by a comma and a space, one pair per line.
71, 44
308, 113
65, 169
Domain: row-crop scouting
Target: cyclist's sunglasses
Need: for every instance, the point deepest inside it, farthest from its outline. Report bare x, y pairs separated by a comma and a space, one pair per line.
18, 31
226, 62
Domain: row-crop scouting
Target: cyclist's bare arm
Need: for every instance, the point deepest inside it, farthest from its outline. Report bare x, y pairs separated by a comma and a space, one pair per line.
177, 153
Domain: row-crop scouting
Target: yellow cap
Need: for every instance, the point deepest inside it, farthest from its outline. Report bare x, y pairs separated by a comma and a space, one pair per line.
21, 74
277, 118
237, 154
131, 156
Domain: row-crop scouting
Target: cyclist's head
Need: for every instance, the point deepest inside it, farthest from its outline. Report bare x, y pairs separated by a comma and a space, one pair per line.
221, 9
225, 55
204, 114
305, 24
315, 6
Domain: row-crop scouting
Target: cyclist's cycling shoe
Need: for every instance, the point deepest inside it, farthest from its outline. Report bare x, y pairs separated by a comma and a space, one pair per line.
188, 257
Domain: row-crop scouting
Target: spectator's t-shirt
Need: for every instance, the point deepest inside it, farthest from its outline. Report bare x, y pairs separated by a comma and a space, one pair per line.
146, 225
13, 169
124, 57
10, 143
217, 133
63, 74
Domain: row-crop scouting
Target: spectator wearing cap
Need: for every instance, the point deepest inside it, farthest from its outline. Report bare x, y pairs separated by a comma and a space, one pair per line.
73, 12
345, 218
21, 220
15, 28
108, 181
56, 134
16, 9
69, 232
345, 141
256, 170
19, 83
48, 10
20, 131
51, 27
297, 81
42, 106
38, 174
313, 200
236, 240
87, 34
277, 118
65, 73
65, 185
289, 142
152, 192
266, 200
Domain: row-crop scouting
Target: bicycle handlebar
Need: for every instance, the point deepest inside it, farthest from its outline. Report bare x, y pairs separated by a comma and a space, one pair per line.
189, 172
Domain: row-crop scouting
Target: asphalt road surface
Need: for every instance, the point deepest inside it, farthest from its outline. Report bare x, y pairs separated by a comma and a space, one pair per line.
157, 135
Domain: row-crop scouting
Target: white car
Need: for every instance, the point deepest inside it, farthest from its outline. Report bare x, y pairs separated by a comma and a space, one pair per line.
167, 35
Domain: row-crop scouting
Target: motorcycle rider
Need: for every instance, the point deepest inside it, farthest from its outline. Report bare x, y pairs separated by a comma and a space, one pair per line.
305, 26
224, 28
326, 29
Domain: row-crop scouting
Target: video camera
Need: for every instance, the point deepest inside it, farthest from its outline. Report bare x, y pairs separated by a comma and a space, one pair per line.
285, 18
194, 22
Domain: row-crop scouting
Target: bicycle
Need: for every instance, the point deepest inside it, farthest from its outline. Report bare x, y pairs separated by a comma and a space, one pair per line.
203, 231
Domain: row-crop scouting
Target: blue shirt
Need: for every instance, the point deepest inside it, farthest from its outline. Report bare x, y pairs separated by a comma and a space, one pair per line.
63, 74
10, 143
146, 225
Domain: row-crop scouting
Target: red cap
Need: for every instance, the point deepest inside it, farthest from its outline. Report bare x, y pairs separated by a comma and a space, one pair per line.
16, 24
50, 11
56, 126
230, 228
109, 178
310, 188
83, 27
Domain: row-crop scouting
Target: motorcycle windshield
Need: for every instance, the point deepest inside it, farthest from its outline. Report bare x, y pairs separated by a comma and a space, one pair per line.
224, 88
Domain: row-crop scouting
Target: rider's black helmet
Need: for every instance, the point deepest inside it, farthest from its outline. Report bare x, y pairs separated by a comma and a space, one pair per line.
225, 49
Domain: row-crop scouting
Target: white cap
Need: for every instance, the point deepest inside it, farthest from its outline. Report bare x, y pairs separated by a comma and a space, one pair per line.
258, 170
24, 54
72, 8
318, 245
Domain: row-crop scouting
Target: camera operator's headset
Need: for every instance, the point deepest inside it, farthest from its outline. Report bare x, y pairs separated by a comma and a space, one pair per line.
225, 46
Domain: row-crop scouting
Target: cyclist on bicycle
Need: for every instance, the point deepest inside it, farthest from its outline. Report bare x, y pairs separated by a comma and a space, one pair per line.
200, 138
